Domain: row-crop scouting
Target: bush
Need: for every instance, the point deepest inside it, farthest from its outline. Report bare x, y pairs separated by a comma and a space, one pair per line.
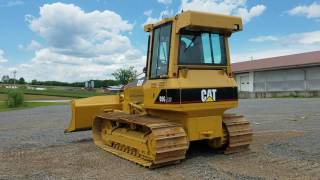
15, 98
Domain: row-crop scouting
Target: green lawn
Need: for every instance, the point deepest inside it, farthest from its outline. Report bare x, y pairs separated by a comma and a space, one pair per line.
66, 92
3, 97
31, 97
51, 93
4, 107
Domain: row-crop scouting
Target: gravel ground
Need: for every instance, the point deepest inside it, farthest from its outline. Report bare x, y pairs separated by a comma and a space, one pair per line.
286, 145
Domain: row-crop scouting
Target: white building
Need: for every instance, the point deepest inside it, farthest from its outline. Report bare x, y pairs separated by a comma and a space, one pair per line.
114, 88
291, 73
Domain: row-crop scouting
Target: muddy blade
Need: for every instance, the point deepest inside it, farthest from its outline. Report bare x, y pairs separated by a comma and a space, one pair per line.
239, 133
148, 141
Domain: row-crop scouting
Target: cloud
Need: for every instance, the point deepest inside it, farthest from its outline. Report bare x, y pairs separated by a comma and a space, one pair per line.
264, 39
282, 45
272, 52
306, 38
165, 1
11, 3
77, 32
228, 7
32, 46
247, 15
163, 14
2, 58
148, 13
14, 3
78, 45
49, 65
310, 11
303, 39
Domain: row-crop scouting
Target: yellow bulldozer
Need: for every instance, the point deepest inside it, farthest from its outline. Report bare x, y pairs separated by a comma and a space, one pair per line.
188, 85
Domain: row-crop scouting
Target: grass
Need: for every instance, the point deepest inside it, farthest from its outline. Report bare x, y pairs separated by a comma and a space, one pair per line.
51, 93
3, 97
31, 97
66, 92
4, 107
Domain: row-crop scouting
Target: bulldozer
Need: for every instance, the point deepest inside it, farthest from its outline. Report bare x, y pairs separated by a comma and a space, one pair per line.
187, 88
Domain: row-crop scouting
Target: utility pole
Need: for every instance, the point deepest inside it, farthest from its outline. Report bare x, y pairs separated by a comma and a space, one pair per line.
14, 77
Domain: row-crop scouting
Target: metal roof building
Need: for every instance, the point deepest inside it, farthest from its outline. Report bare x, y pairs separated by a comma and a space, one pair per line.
297, 72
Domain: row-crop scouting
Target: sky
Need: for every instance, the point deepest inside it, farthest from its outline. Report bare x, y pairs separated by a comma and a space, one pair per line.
89, 39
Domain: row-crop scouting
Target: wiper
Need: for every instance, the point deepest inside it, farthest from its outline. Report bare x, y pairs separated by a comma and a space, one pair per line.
192, 40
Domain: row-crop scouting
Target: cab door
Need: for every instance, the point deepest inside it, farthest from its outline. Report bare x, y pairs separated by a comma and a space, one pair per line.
158, 62
160, 51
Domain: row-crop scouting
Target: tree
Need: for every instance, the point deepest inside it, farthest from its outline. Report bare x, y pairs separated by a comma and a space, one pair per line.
34, 82
125, 75
11, 81
5, 79
21, 81
15, 98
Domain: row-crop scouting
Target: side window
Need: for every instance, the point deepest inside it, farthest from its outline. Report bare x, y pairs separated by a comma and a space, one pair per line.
218, 49
160, 51
206, 48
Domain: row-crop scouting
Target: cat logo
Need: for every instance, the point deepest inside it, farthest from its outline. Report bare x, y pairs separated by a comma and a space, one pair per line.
208, 95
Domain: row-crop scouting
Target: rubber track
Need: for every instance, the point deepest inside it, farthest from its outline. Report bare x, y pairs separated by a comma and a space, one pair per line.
170, 140
239, 133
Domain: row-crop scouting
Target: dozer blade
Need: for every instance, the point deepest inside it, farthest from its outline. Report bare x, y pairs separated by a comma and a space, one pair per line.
239, 133
148, 141
84, 110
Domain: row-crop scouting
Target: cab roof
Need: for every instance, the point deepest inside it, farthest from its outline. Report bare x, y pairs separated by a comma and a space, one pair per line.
201, 21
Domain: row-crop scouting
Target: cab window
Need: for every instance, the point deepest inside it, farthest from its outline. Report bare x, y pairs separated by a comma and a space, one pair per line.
160, 51
202, 48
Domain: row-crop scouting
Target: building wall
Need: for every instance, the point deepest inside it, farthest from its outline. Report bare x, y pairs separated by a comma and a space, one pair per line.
298, 79
313, 78
245, 81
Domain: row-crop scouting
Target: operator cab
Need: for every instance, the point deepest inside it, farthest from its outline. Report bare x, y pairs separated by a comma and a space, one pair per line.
190, 40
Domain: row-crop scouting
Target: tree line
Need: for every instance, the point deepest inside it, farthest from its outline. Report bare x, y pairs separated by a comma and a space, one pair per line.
97, 83
7, 80
122, 77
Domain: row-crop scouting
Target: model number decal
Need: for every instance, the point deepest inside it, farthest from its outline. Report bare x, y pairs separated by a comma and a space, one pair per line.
165, 99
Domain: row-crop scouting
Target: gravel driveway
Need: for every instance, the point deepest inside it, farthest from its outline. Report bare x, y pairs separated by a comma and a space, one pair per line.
286, 146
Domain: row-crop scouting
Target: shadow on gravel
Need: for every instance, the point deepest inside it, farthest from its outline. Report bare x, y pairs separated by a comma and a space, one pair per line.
201, 148
82, 140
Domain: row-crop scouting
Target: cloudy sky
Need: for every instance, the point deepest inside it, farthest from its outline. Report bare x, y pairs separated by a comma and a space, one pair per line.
89, 39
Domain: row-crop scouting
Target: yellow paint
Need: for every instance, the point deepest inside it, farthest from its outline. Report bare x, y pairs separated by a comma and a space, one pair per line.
84, 110
199, 120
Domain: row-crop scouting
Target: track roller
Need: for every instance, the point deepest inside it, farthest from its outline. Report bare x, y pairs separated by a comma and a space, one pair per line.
148, 141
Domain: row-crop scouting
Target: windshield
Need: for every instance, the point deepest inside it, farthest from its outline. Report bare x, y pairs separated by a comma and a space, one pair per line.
202, 48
